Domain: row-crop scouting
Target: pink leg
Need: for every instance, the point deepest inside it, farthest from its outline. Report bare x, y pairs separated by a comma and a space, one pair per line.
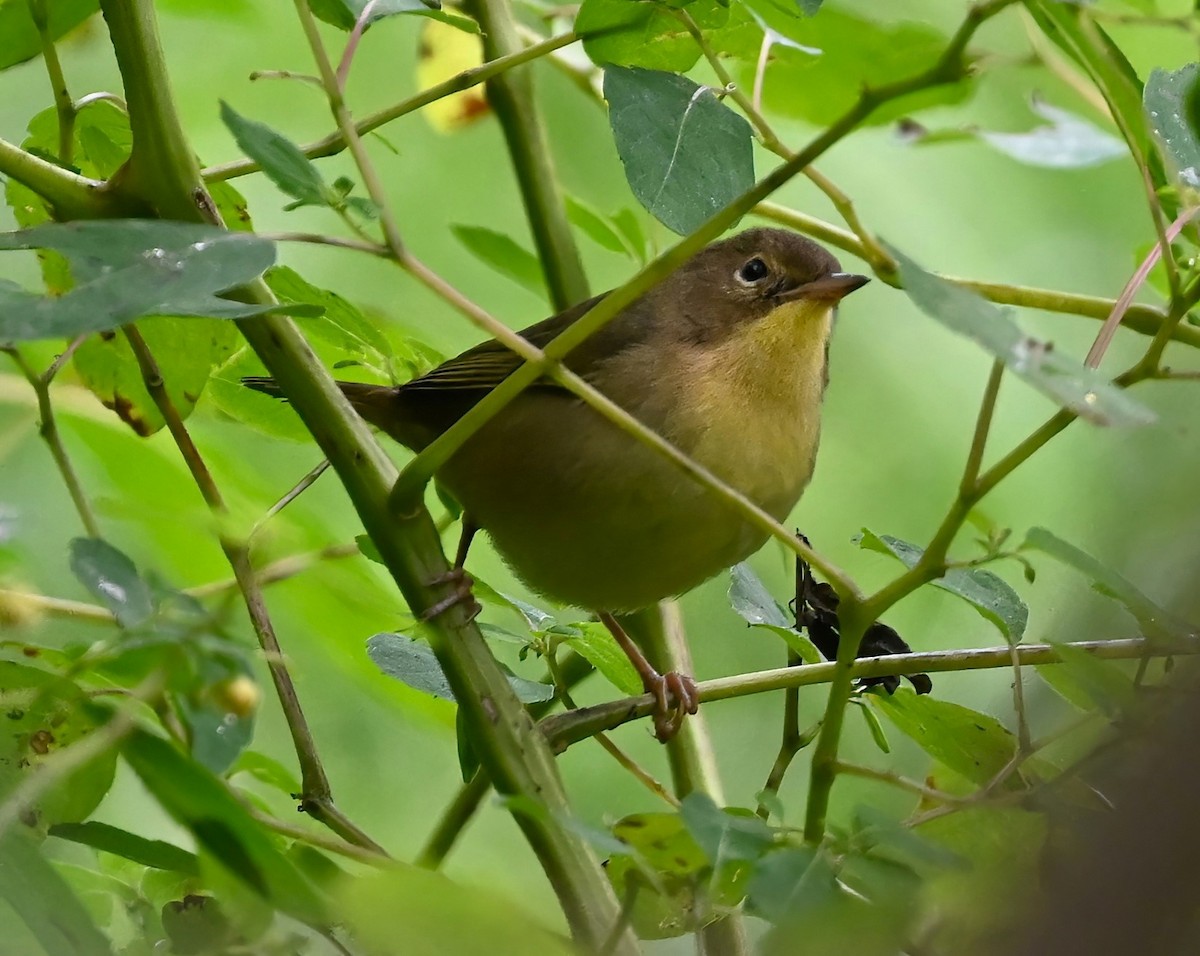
674, 693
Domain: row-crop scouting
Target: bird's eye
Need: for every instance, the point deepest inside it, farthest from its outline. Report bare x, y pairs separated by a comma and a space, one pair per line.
752, 271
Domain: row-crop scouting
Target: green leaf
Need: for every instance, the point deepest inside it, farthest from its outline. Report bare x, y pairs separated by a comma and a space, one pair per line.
42, 713
44, 900
1064, 380
266, 770
874, 727
750, 598
113, 580
409, 910
790, 882
413, 662
187, 352
345, 13
1089, 682
819, 75
685, 154
593, 642
724, 835
222, 826
341, 323
601, 230
989, 594
153, 853
217, 730
1069, 142
1156, 622
281, 159
974, 745
645, 34
809, 8
504, 255
19, 39
1171, 103
1075, 32
127, 268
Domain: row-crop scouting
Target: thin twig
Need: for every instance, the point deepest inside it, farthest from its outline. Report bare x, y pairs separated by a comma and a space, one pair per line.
50, 434
300, 487
63, 105
895, 780
316, 799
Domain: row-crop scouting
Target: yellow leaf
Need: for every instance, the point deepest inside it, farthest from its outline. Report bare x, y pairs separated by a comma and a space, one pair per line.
446, 51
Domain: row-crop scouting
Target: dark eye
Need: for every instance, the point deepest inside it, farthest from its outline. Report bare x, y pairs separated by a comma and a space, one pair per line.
753, 271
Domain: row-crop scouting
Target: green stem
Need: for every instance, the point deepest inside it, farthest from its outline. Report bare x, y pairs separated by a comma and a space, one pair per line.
72, 196
453, 819
659, 631
50, 435
510, 95
316, 798
63, 104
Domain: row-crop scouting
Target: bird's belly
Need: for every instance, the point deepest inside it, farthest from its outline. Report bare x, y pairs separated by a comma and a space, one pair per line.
613, 525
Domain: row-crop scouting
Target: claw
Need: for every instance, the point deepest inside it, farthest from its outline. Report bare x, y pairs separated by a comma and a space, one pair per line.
674, 698
460, 595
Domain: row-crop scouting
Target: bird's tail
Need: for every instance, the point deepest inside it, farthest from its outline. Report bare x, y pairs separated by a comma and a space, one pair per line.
376, 403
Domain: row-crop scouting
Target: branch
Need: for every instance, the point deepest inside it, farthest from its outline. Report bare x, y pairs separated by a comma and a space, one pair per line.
562, 730
72, 196
335, 142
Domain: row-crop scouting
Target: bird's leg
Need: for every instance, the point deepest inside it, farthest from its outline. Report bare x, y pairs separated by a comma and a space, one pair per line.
457, 576
674, 693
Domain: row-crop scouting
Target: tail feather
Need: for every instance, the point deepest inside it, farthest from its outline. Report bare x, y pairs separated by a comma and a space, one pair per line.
378, 404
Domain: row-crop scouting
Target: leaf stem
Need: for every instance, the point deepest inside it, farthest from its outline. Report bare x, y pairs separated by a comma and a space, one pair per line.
63, 104
983, 425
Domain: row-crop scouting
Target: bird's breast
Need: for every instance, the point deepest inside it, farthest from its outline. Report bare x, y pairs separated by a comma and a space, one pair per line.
753, 403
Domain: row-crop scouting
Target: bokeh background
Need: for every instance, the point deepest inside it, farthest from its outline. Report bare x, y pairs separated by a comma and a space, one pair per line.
898, 416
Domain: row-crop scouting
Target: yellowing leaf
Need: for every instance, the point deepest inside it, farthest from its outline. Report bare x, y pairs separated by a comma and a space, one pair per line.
446, 51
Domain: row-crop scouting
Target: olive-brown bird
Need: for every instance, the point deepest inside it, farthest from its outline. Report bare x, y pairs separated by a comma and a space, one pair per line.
726, 358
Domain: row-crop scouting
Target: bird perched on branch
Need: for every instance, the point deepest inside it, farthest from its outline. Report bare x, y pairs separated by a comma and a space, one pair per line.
726, 358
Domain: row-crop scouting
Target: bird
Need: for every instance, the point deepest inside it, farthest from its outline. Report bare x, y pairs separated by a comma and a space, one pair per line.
726, 358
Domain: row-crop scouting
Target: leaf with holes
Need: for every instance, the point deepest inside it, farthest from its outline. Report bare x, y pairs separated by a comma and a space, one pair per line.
685, 154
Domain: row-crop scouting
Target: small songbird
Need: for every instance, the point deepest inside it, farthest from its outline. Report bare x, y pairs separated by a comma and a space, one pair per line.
726, 358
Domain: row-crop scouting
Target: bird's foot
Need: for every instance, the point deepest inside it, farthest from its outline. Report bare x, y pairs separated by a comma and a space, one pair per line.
674, 698
461, 594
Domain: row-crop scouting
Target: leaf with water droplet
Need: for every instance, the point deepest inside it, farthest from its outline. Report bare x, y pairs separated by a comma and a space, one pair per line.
128, 268
1171, 100
113, 580
1060, 377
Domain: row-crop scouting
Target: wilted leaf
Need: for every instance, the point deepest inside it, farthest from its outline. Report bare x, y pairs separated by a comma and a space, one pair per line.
988, 593
685, 154
1065, 380
41, 714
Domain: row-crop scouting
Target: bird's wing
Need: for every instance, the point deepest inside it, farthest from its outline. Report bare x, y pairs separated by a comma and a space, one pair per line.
483, 367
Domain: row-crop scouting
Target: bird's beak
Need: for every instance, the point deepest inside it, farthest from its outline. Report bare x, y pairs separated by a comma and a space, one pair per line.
833, 287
